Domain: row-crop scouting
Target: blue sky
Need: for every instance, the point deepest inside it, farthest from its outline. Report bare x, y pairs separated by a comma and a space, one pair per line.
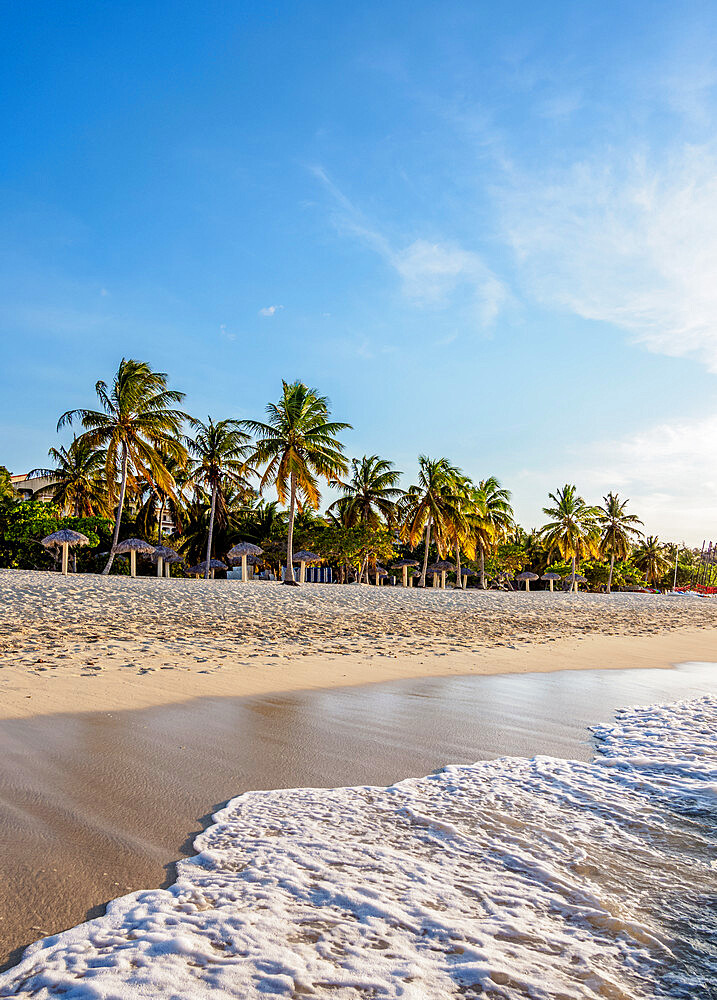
486, 231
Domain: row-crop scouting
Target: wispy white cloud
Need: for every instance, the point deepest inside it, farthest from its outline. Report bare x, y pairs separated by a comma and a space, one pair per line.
431, 273
626, 239
224, 333
269, 310
668, 470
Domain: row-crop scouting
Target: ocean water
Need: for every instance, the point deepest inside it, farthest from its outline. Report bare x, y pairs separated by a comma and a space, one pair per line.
546, 879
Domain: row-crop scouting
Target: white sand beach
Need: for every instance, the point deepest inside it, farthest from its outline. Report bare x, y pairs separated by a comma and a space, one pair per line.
96, 643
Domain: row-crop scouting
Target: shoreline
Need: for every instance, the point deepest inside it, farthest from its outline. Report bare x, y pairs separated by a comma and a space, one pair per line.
97, 804
26, 693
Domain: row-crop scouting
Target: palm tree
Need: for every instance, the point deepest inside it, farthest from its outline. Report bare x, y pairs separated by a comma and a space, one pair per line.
427, 506
298, 444
158, 501
79, 483
651, 557
458, 513
618, 530
137, 424
219, 453
574, 527
371, 494
491, 518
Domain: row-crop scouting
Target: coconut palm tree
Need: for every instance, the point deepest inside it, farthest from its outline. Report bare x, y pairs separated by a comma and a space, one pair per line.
298, 444
371, 494
618, 529
427, 506
459, 510
138, 423
574, 528
651, 557
156, 501
491, 518
218, 458
79, 485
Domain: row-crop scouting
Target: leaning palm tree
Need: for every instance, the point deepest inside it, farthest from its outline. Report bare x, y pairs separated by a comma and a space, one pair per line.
574, 528
156, 502
298, 445
618, 529
371, 494
78, 479
137, 424
219, 457
491, 518
427, 506
651, 557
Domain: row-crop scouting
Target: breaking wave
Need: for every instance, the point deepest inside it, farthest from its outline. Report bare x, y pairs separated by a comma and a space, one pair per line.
544, 879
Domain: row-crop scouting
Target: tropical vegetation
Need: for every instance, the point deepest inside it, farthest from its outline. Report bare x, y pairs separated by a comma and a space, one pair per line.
142, 467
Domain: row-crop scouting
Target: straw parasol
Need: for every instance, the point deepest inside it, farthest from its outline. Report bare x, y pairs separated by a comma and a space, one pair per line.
66, 538
133, 546
202, 567
303, 557
442, 567
465, 573
403, 565
242, 550
380, 573
579, 578
552, 577
163, 554
526, 577
171, 560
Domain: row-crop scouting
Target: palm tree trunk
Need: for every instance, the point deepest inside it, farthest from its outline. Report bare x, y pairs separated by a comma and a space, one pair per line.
482, 567
118, 516
458, 565
289, 574
161, 518
609, 579
425, 557
210, 539
572, 578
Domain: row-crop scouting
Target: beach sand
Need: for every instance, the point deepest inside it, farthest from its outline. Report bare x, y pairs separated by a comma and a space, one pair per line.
131, 709
91, 643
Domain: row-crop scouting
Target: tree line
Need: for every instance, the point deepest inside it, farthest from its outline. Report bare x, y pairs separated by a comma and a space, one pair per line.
138, 458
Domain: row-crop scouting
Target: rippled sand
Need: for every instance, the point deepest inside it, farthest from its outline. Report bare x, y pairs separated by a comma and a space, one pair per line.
266, 617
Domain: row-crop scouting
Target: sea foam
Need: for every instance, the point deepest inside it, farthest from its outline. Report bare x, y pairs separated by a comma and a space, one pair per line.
544, 879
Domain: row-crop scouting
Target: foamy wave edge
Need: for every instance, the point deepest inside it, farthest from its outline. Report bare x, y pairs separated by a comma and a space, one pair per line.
508, 878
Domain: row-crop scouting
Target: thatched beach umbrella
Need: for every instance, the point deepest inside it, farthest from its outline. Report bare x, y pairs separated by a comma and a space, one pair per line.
380, 574
163, 554
242, 550
66, 538
552, 577
133, 546
526, 577
579, 578
465, 573
442, 567
403, 565
214, 564
170, 561
303, 557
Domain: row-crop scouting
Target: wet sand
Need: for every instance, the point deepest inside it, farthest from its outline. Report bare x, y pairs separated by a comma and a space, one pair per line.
96, 804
